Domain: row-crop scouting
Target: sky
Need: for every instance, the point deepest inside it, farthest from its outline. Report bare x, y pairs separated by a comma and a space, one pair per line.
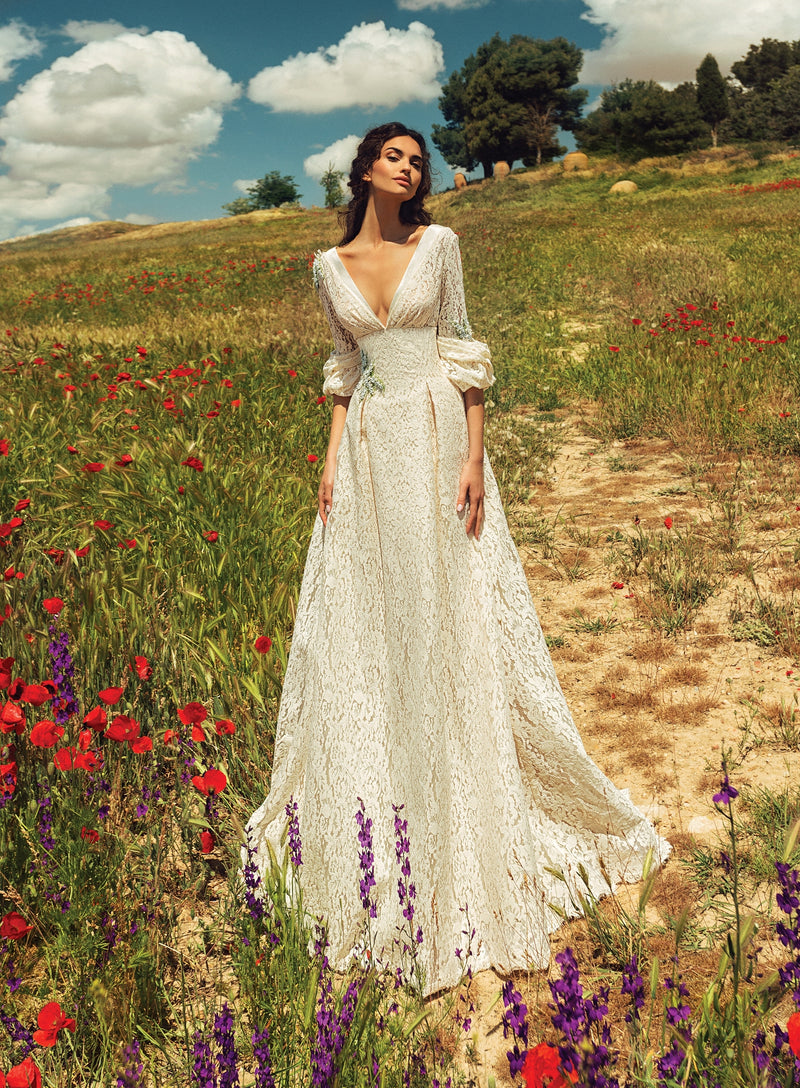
173, 113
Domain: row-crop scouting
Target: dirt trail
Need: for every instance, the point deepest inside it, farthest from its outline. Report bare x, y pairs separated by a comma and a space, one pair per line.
655, 711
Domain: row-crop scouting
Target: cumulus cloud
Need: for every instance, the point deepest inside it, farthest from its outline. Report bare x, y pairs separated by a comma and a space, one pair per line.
17, 41
131, 110
244, 184
87, 30
648, 39
339, 155
373, 65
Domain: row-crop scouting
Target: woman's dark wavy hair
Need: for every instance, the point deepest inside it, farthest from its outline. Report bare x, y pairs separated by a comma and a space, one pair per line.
369, 151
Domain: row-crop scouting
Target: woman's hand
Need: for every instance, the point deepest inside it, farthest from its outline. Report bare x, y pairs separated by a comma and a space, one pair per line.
325, 493
470, 493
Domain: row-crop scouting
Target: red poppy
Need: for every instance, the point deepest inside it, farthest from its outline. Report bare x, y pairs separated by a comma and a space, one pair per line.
87, 761
263, 644
111, 696
35, 694
101, 523
23, 504
4, 447
198, 735
53, 605
64, 759
543, 1062
12, 719
123, 728
312, 457
144, 669
668, 522
84, 739
171, 734
292, 373
51, 1021
321, 400
94, 466
6, 664
8, 771
24, 1075
96, 719
225, 727
71, 449
207, 841
46, 733
13, 926
90, 834
141, 744
212, 781
618, 585
192, 713
636, 321
124, 461
793, 1028
211, 535
193, 462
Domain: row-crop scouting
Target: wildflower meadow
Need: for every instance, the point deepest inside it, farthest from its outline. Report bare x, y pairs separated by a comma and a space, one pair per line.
161, 428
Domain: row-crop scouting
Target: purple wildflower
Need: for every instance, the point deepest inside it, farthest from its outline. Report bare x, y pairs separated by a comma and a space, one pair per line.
578, 1019
295, 845
252, 882
322, 1053
17, 1032
227, 1058
65, 704
670, 1062
788, 932
202, 1067
131, 1075
515, 1021
264, 1078
366, 861
44, 824
633, 985
727, 793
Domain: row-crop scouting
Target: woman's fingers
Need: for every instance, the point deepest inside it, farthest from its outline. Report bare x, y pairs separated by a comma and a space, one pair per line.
324, 500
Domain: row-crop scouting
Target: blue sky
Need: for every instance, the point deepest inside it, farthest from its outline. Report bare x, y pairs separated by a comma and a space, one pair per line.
158, 117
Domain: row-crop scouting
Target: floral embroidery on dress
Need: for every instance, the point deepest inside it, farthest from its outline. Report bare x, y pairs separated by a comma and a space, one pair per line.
370, 382
317, 270
463, 330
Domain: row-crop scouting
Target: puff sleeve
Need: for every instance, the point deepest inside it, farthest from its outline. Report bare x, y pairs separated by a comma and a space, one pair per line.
342, 371
466, 361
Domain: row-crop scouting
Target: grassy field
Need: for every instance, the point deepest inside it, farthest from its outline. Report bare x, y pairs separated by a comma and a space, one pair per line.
160, 427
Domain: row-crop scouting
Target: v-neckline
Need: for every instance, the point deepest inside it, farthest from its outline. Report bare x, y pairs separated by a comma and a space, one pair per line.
357, 290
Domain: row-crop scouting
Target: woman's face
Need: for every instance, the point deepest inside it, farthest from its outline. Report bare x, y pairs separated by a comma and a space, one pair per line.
398, 169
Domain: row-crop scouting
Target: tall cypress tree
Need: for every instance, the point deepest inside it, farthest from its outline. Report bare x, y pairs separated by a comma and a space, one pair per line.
712, 95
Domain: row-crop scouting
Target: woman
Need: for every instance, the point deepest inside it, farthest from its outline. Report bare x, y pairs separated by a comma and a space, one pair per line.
419, 677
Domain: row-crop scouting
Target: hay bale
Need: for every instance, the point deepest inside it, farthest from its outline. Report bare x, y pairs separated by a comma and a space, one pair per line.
575, 160
501, 170
460, 181
624, 187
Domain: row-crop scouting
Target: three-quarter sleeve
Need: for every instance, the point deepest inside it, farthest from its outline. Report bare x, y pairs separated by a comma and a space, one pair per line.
466, 361
342, 371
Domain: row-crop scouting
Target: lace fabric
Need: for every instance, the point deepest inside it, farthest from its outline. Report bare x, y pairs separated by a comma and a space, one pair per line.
418, 673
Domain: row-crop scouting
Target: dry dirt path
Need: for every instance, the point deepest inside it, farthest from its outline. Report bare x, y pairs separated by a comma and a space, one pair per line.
655, 711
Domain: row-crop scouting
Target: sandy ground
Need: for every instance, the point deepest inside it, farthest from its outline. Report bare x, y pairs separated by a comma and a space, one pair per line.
655, 712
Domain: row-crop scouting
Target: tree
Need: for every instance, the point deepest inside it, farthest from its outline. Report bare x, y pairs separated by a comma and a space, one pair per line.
712, 95
766, 62
272, 190
508, 101
331, 182
240, 206
640, 117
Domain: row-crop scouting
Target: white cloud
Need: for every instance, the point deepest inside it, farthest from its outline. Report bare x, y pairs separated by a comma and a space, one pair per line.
140, 219
131, 110
339, 154
649, 39
449, 5
17, 41
373, 65
87, 30
243, 184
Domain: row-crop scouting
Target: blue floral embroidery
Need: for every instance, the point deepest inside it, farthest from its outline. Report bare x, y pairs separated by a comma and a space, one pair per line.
370, 382
463, 330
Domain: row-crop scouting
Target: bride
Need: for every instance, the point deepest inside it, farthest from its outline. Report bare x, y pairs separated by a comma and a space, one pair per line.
419, 684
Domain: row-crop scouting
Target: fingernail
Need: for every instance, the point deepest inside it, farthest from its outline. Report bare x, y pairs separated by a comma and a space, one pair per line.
460, 507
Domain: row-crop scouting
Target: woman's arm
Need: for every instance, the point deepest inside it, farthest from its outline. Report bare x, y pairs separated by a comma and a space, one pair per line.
471, 488
325, 493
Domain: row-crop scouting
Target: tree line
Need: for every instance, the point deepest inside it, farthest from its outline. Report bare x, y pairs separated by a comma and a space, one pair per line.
510, 98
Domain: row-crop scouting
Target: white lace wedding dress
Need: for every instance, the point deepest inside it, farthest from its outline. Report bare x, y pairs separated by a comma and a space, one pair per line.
419, 675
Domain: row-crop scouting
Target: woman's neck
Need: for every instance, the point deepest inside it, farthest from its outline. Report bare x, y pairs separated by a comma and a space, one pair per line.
382, 222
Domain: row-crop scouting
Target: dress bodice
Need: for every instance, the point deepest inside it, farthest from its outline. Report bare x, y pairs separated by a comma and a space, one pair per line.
429, 296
